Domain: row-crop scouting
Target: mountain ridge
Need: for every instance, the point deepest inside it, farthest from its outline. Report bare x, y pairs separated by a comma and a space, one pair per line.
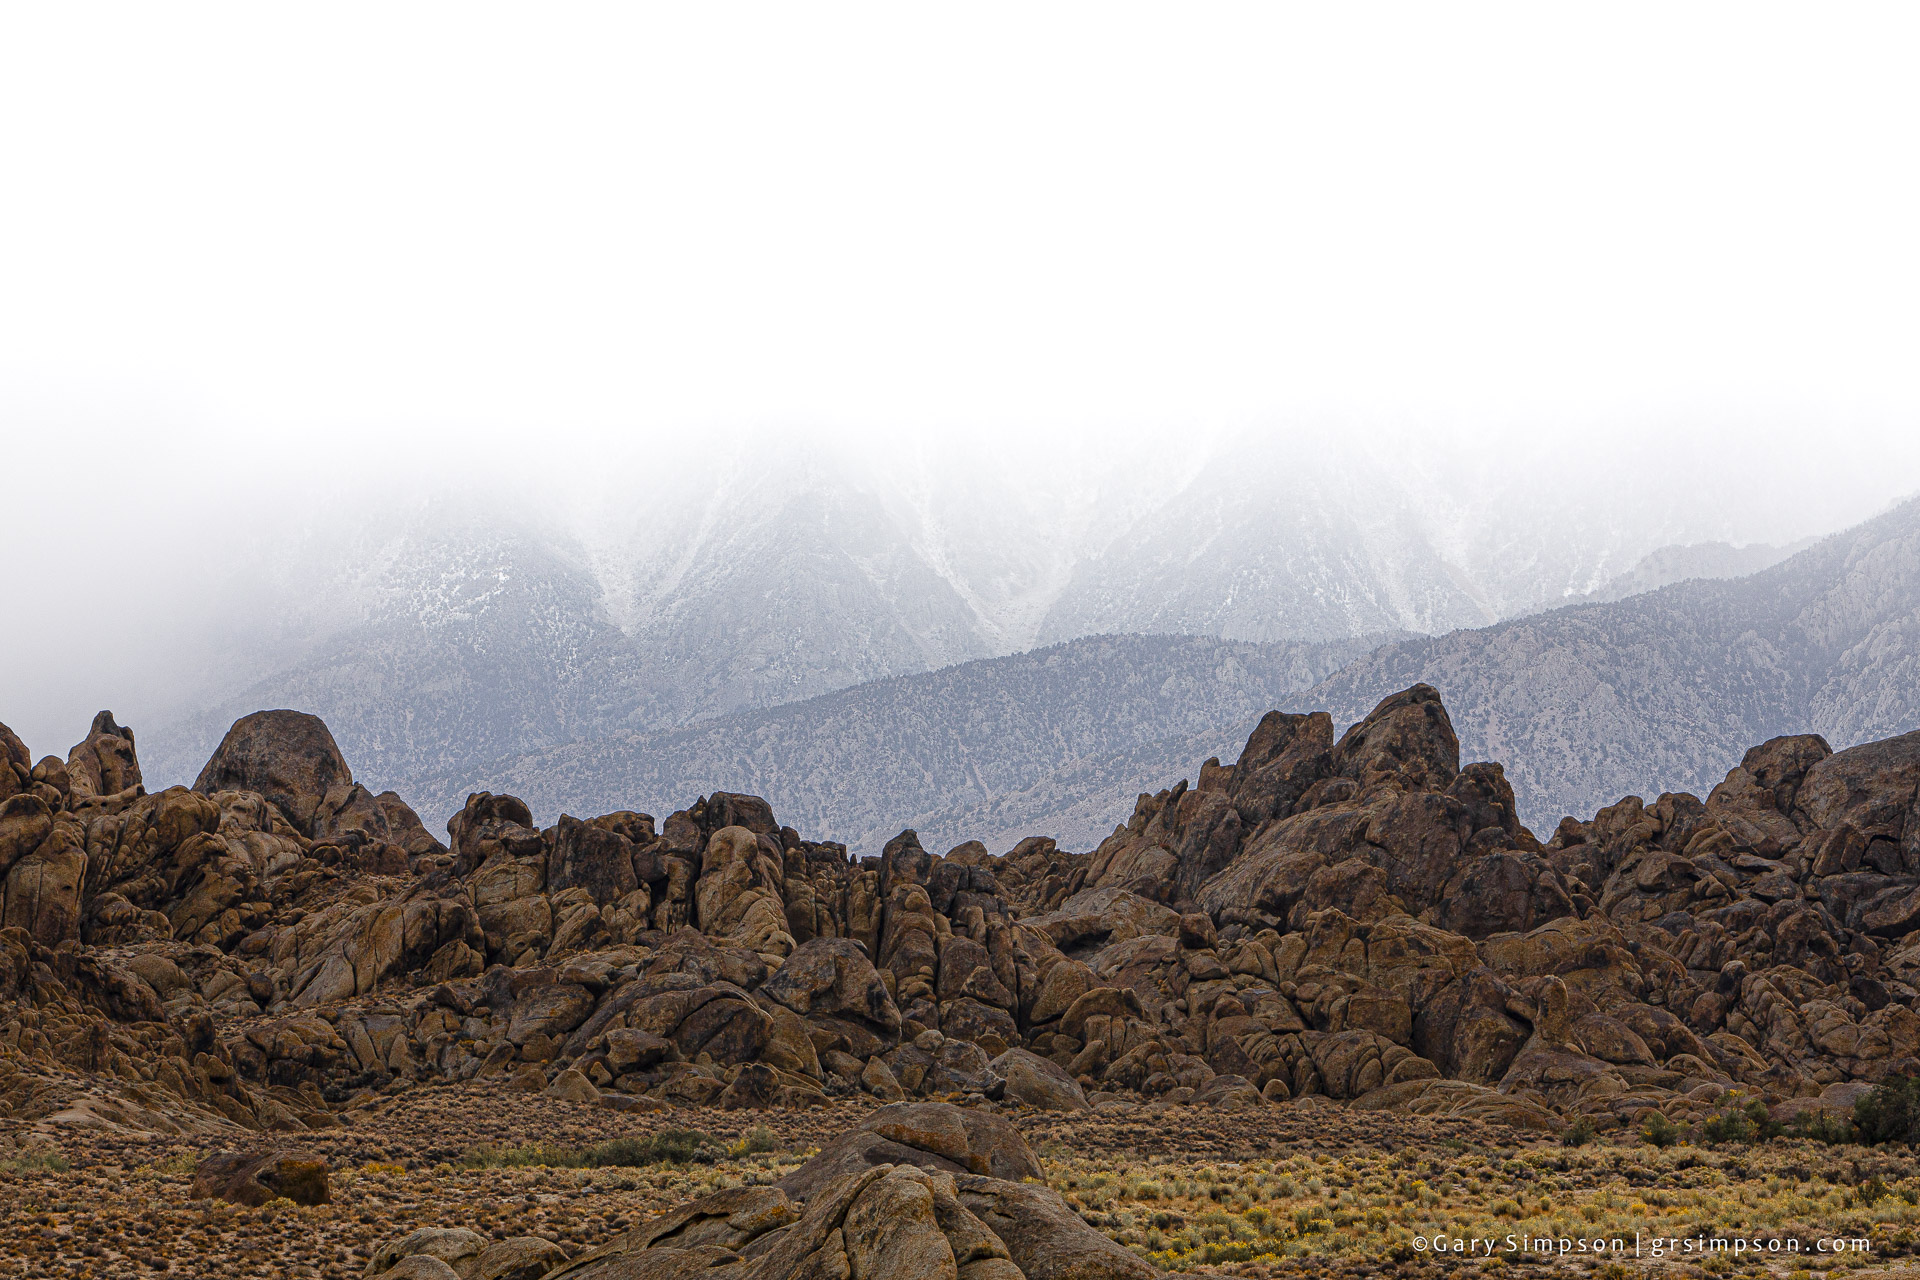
1659, 690
1169, 686
753, 579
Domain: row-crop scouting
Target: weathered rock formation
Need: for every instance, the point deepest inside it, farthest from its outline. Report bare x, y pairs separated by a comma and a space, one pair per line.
924, 1190
1358, 917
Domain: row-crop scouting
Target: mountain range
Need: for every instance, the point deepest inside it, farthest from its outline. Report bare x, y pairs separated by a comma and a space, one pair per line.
1660, 691
439, 635
949, 752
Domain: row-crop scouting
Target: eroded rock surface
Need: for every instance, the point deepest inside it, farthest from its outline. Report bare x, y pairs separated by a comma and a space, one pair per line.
1357, 918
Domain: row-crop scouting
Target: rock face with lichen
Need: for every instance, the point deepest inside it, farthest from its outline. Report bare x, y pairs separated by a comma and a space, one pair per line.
1356, 915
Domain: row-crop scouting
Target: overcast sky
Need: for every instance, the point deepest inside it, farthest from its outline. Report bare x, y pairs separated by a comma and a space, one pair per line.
388, 220
252, 245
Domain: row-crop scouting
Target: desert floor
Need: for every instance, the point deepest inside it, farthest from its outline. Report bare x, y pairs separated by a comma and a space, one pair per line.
1277, 1190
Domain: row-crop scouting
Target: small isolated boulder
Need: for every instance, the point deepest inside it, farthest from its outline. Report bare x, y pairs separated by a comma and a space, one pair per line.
1039, 1082
528, 1079
252, 1178
572, 1085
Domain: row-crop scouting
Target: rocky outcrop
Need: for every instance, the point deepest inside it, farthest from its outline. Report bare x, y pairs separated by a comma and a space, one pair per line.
928, 1135
287, 758
290, 760
218, 906
104, 763
914, 1209
831, 983
1360, 919
892, 1220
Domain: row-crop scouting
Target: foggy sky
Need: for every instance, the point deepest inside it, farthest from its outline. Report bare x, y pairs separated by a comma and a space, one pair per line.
255, 262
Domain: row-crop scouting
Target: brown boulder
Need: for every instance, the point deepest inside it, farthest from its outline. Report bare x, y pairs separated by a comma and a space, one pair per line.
966, 970
25, 821
254, 1177
104, 762
1285, 755
491, 826
1872, 788
1779, 765
1039, 1082
729, 1219
717, 1019
893, 1222
754, 1085
1044, 1237
592, 858
1503, 893
454, 1247
572, 1086
1406, 740
909, 947
930, 1135
516, 1258
404, 827
630, 1050
738, 893
419, 1266
1467, 1031
1093, 918
831, 983
43, 887
877, 1078
1352, 1063
287, 756
16, 765
352, 952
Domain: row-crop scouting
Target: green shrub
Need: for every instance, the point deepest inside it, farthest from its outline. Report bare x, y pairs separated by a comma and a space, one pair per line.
669, 1146
1890, 1113
35, 1162
756, 1141
1227, 1252
1659, 1131
1819, 1126
1746, 1121
677, 1146
1579, 1133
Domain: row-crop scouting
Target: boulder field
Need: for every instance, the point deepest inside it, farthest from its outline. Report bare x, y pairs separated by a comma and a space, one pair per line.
1357, 921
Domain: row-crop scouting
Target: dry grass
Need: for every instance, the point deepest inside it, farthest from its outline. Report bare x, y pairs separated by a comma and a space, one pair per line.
1328, 1210
1279, 1191
138, 1220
